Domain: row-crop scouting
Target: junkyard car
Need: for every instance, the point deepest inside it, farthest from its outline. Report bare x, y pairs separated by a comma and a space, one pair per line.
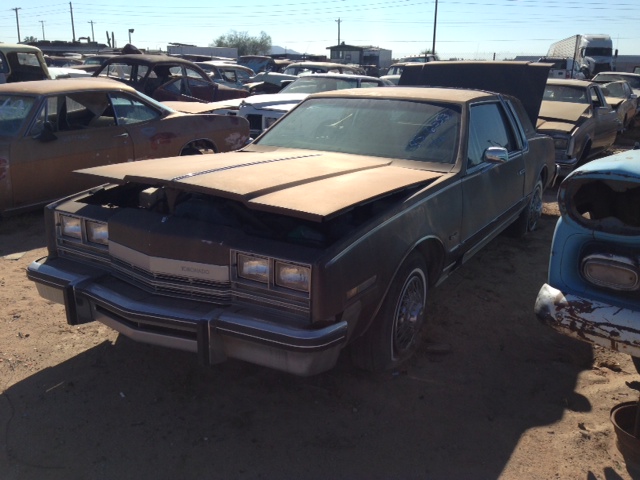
52, 127
633, 79
594, 276
576, 114
20, 63
166, 78
262, 111
230, 74
307, 68
622, 99
326, 231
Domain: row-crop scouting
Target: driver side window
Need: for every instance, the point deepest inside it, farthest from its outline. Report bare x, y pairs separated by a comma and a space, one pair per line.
488, 127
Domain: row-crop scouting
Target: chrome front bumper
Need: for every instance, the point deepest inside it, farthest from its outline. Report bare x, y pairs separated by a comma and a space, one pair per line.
599, 323
211, 331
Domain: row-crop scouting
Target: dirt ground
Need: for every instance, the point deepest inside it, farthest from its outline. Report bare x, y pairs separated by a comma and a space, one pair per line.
491, 394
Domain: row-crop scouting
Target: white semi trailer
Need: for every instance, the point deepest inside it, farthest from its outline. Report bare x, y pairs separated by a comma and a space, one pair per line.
592, 52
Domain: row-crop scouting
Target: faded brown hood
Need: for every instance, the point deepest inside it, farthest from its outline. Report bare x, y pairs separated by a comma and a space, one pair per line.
309, 185
562, 111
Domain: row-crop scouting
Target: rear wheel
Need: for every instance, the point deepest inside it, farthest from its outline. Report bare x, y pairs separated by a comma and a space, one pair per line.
636, 363
394, 334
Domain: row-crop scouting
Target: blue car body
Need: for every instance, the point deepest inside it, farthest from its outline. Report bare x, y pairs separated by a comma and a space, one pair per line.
593, 287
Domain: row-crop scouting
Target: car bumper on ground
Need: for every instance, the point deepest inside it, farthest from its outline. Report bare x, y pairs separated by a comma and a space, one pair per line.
599, 323
213, 332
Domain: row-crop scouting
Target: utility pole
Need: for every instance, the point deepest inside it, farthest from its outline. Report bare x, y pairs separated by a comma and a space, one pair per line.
338, 21
435, 22
42, 22
17, 22
73, 28
93, 37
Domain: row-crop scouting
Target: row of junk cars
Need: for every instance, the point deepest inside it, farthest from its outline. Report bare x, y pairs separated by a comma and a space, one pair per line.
284, 228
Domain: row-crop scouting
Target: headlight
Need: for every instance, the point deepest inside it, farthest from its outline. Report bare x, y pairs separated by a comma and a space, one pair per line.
71, 227
253, 268
561, 143
291, 276
97, 232
611, 271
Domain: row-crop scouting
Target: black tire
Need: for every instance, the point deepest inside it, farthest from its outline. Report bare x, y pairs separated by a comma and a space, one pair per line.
394, 335
530, 216
190, 151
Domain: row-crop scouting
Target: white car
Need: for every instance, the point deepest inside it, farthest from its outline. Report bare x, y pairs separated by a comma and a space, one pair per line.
262, 111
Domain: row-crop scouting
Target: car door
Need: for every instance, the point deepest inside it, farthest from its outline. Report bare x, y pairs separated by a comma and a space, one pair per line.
493, 191
70, 132
606, 119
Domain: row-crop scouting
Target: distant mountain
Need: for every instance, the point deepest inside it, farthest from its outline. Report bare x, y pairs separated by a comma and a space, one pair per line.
276, 50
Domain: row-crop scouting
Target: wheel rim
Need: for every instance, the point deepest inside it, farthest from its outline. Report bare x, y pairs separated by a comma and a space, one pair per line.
409, 313
535, 209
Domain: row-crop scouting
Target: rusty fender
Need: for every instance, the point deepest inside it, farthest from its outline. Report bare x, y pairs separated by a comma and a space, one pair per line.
596, 322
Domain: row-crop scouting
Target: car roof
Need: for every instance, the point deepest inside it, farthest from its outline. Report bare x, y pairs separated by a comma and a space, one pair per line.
18, 47
339, 76
569, 81
612, 74
47, 87
320, 64
147, 59
456, 95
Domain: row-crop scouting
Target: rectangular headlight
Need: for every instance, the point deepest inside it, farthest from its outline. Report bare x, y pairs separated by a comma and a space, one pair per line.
71, 227
292, 276
611, 271
253, 268
97, 232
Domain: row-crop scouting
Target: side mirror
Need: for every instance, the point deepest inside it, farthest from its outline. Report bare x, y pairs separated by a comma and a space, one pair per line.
46, 135
496, 155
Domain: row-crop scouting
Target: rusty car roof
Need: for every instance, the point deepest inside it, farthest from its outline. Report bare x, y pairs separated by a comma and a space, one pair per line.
457, 95
47, 87
288, 182
147, 58
569, 81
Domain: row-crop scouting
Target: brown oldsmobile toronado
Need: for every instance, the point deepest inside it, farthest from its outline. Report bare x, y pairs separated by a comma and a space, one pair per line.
326, 232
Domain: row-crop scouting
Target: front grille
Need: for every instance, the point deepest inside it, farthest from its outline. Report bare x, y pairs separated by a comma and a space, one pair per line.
255, 122
173, 285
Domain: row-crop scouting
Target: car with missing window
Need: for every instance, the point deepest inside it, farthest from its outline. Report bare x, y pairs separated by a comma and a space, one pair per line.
623, 101
166, 78
324, 234
225, 73
50, 128
20, 63
580, 120
593, 285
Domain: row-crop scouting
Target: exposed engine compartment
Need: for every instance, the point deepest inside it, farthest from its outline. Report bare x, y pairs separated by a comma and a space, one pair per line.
236, 215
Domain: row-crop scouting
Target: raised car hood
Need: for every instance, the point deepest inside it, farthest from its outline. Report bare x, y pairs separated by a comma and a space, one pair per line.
562, 111
524, 80
309, 185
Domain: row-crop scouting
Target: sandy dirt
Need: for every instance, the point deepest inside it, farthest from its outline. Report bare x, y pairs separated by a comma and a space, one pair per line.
491, 394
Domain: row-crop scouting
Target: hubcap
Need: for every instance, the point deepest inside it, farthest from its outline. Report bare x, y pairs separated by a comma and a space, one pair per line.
535, 209
409, 313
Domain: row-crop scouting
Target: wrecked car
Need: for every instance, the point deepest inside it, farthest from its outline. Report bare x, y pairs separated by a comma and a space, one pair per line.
620, 96
593, 282
327, 232
576, 114
52, 127
21, 63
225, 73
163, 78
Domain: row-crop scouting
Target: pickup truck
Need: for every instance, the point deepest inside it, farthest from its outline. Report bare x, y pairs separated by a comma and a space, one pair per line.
19, 63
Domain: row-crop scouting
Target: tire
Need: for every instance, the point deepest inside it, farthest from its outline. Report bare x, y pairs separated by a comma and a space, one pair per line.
394, 335
530, 216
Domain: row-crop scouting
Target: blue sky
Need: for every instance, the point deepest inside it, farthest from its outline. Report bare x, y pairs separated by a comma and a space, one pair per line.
469, 29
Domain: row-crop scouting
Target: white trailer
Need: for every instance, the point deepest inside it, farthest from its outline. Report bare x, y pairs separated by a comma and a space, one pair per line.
592, 52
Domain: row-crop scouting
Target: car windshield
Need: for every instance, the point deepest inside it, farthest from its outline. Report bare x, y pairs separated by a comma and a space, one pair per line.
565, 93
615, 89
634, 82
14, 109
399, 129
319, 84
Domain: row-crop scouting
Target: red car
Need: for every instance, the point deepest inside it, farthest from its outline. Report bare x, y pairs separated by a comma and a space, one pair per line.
167, 78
